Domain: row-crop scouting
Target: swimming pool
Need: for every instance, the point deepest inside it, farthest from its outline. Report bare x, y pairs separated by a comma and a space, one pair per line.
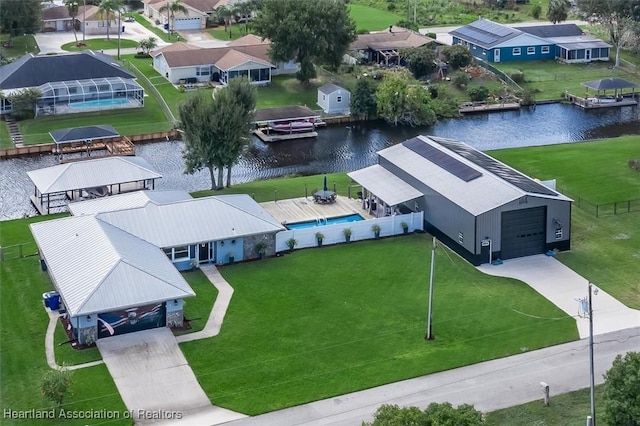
98, 103
323, 222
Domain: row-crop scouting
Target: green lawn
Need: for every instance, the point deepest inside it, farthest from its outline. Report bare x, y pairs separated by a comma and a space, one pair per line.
550, 79
569, 409
197, 309
21, 46
371, 19
286, 90
156, 29
100, 44
237, 31
323, 322
5, 136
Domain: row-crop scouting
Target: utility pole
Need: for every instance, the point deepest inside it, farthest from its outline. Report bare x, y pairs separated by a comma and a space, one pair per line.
84, 21
415, 11
592, 375
119, 29
429, 335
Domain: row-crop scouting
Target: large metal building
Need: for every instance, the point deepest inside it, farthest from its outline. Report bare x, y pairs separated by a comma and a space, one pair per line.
480, 207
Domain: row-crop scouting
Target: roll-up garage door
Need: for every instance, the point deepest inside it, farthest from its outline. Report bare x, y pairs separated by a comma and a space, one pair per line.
523, 232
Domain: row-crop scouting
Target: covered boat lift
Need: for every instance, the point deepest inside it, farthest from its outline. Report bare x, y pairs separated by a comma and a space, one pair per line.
616, 96
56, 185
89, 138
267, 119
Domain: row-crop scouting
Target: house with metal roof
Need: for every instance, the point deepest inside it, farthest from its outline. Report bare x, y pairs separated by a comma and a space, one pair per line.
55, 186
334, 99
70, 83
494, 42
115, 262
384, 47
480, 207
246, 57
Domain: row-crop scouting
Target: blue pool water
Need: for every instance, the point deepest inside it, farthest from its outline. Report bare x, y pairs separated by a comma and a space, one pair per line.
323, 222
98, 103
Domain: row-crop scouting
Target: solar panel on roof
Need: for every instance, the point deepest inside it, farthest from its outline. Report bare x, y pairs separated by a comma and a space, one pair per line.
494, 166
442, 159
476, 35
492, 27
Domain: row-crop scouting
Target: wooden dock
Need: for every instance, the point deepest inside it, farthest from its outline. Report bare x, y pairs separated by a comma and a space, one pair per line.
480, 107
273, 137
602, 102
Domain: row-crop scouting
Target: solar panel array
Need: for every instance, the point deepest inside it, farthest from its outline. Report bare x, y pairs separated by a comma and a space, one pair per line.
494, 166
442, 159
473, 34
492, 27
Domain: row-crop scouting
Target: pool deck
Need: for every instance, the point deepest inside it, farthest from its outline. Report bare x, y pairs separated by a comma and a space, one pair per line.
295, 210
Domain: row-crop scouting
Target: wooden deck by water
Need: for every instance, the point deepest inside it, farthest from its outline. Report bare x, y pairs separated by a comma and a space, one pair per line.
485, 107
273, 137
595, 102
295, 210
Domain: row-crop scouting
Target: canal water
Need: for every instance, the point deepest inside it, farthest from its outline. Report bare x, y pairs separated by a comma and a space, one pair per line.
349, 147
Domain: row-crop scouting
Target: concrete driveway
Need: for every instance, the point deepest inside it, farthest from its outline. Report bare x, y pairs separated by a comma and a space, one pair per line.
154, 378
562, 286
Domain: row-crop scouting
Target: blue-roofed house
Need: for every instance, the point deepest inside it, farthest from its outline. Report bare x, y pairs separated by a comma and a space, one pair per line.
493, 42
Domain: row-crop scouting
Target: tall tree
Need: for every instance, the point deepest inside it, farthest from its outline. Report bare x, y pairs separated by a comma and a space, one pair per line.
402, 100
213, 128
420, 60
172, 8
306, 31
224, 14
363, 100
558, 11
621, 394
244, 9
73, 7
20, 17
107, 8
244, 94
619, 17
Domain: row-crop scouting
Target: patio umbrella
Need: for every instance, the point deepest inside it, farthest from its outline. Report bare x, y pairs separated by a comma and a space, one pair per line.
325, 183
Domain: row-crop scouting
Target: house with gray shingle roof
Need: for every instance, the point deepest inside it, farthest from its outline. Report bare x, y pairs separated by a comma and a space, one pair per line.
334, 99
245, 57
493, 42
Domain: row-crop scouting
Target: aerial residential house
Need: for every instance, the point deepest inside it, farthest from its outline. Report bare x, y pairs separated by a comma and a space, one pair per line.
480, 207
383, 47
334, 99
89, 20
246, 57
198, 12
493, 42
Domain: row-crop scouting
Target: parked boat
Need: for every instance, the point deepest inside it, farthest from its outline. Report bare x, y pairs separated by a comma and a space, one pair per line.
291, 126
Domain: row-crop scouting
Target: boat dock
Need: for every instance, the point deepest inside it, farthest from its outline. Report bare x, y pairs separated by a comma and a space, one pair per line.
480, 107
274, 137
601, 102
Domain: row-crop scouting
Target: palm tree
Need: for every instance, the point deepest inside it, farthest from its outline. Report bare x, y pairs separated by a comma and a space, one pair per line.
73, 8
244, 9
172, 8
108, 7
224, 14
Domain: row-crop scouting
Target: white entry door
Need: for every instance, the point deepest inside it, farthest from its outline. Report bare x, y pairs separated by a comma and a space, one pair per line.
496, 55
587, 55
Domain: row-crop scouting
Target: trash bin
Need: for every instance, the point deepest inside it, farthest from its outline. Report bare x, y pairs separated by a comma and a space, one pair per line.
54, 302
123, 28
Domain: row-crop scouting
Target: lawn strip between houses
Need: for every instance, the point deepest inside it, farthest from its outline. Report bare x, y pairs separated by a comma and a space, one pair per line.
320, 323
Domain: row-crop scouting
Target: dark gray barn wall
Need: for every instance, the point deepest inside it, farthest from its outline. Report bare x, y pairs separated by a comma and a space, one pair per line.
489, 223
439, 211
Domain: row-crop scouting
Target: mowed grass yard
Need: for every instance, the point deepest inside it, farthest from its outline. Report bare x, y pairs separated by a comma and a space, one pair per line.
322, 322
550, 79
370, 18
605, 250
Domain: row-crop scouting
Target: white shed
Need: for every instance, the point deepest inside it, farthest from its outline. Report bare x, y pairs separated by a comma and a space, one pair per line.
334, 99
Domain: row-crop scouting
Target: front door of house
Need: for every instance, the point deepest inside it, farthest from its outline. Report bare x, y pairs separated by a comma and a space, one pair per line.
203, 252
587, 55
496, 55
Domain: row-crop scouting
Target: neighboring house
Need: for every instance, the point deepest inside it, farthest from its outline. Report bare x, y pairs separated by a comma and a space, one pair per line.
247, 57
69, 83
199, 11
334, 99
122, 254
480, 207
493, 42
56, 18
89, 20
383, 47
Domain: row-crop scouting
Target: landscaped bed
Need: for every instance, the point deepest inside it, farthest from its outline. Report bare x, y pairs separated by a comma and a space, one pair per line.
323, 322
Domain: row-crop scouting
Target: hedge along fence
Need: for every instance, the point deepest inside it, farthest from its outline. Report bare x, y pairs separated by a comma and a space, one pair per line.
604, 209
361, 230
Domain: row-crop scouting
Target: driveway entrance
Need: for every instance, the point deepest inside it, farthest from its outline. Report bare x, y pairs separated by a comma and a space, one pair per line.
155, 380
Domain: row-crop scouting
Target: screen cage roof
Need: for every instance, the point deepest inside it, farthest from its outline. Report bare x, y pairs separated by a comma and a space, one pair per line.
90, 86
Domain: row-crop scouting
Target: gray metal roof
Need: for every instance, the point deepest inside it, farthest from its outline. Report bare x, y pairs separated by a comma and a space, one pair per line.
611, 83
81, 134
330, 88
194, 221
33, 71
485, 33
476, 196
553, 30
385, 185
92, 174
97, 267
579, 42
125, 201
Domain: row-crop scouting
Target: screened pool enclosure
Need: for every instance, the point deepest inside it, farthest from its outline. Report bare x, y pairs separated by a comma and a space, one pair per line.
66, 97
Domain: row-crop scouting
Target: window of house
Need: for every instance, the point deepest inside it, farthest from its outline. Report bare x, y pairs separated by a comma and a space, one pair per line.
460, 237
531, 50
559, 234
484, 52
180, 253
516, 51
544, 49
324, 97
339, 99
168, 252
203, 70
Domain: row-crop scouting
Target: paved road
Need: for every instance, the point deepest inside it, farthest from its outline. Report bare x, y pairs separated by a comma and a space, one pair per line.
489, 385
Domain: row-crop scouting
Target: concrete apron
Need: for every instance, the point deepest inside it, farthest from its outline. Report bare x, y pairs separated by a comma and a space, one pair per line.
155, 380
562, 287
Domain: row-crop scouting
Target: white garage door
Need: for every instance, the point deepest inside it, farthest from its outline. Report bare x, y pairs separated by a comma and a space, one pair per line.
183, 24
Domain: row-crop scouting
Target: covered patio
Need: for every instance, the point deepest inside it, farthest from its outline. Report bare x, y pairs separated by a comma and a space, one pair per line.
383, 193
